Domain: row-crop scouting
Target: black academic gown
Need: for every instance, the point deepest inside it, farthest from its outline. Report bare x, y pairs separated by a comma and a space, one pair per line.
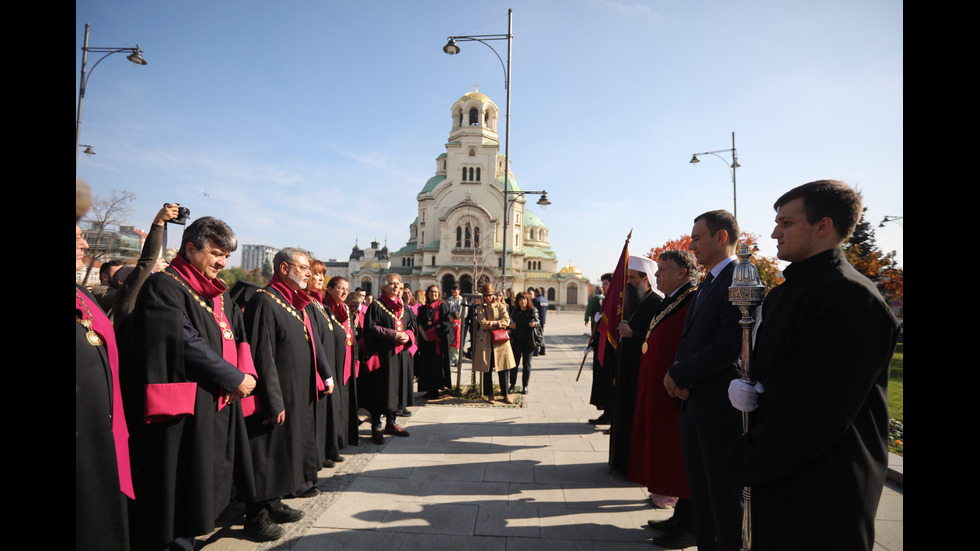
389, 386
186, 469
100, 507
433, 358
627, 374
822, 353
285, 457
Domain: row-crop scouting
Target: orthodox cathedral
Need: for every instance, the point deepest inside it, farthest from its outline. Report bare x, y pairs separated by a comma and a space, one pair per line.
458, 234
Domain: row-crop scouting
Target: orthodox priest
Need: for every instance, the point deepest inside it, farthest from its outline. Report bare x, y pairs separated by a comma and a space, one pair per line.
294, 376
656, 456
434, 325
389, 337
187, 366
102, 471
641, 302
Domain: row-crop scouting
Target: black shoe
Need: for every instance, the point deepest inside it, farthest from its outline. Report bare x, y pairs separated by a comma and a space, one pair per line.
433, 395
604, 419
678, 539
524, 389
337, 458
261, 528
510, 390
405, 413
312, 491
329, 463
665, 525
282, 513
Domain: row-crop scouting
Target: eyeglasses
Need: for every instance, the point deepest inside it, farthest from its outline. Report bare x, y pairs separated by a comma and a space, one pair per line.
302, 267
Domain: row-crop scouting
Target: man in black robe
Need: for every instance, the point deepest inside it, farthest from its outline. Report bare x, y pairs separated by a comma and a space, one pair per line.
602, 378
294, 374
389, 339
102, 468
642, 303
819, 413
186, 366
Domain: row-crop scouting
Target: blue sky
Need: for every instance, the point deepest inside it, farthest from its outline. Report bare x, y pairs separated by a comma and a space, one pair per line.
312, 123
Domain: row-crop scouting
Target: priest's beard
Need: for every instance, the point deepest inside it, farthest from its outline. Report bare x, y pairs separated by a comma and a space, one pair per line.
631, 299
297, 279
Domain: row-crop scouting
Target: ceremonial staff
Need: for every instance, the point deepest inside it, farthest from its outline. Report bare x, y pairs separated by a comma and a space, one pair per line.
746, 292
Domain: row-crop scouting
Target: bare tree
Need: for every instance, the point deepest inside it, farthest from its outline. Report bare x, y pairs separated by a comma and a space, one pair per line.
105, 212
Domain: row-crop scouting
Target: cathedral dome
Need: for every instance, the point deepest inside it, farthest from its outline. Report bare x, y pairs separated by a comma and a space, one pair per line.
475, 95
570, 269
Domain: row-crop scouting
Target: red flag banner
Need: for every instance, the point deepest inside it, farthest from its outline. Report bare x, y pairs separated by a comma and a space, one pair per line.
612, 305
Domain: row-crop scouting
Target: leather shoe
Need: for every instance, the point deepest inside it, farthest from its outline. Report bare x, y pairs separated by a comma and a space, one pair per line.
377, 437
337, 458
666, 525
678, 539
524, 390
329, 463
312, 491
262, 528
283, 513
604, 419
395, 430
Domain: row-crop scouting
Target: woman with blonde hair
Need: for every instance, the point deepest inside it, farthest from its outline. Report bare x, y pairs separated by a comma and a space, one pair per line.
491, 344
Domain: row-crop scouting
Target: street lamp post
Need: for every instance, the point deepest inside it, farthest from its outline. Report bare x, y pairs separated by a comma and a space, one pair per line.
733, 166
135, 56
452, 48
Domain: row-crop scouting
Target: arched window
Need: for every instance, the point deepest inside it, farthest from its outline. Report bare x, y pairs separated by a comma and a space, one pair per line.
474, 117
551, 294
471, 174
476, 237
464, 174
477, 174
532, 234
572, 294
467, 241
459, 237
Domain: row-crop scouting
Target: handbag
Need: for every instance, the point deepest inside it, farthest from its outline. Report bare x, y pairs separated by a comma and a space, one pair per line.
497, 336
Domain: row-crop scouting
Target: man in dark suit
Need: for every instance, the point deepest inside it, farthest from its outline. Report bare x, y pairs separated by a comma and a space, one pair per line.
704, 366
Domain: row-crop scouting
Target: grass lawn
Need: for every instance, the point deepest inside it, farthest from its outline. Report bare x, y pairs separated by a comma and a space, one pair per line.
895, 402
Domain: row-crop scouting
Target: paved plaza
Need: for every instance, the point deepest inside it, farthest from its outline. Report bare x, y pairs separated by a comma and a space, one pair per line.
532, 476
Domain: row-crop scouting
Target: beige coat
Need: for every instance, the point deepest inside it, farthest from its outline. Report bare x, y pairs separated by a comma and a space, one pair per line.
486, 320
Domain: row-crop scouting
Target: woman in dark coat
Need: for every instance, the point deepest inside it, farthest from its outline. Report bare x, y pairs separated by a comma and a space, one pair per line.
524, 329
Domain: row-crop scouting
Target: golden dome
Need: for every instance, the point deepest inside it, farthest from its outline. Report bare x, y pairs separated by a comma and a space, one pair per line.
570, 270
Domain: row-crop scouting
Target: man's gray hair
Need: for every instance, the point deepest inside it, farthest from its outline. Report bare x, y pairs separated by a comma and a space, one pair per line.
287, 255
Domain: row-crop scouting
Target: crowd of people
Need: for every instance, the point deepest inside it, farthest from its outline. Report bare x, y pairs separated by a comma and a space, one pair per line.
187, 399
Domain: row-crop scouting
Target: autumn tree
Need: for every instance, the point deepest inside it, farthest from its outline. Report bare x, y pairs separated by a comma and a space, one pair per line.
862, 251
105, 212
768, 266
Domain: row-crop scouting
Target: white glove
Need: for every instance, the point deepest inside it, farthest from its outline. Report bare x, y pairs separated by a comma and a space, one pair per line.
744, 396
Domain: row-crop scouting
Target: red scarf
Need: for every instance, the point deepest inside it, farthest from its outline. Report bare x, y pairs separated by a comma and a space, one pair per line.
341, 312
299, 300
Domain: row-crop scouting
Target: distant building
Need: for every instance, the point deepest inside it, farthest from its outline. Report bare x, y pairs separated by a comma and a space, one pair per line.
457, 236
255, 256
